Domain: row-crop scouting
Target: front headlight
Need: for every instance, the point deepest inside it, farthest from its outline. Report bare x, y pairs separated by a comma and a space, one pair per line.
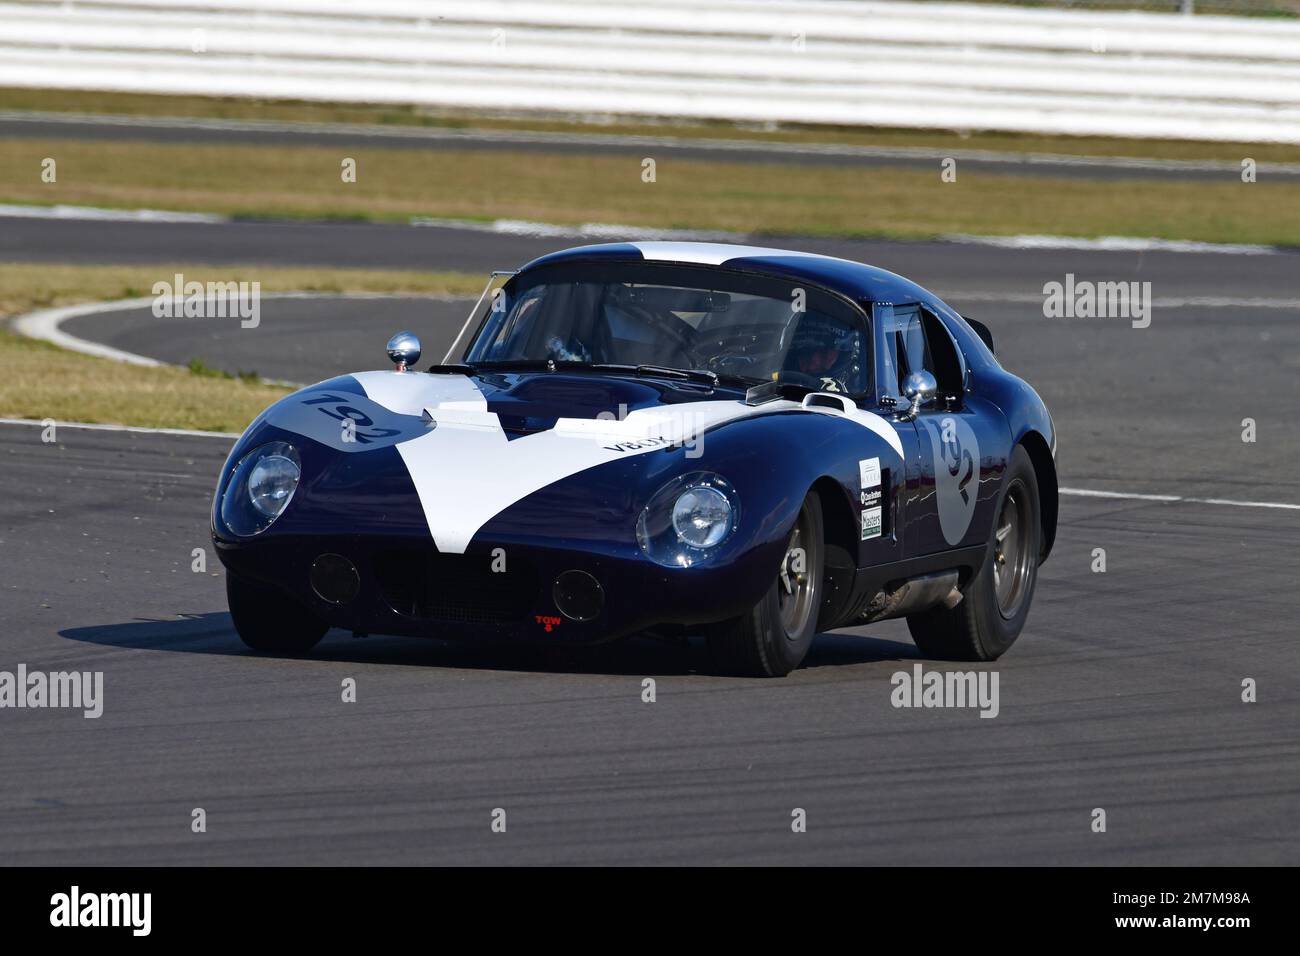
701, 516
271, 484
260, 488
687, 519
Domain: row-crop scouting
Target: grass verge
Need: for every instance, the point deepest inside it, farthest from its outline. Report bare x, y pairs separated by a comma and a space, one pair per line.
300, 181
39, 380
201, 107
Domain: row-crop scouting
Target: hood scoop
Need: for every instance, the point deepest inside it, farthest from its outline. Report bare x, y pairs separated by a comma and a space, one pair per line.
549, 396
517, 426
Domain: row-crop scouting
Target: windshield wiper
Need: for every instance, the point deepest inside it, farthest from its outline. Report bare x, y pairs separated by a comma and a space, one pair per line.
701, 375
690, 374
506, 365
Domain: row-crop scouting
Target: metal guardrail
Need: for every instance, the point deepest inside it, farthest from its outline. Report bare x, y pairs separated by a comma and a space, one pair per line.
935, 65
1242, 8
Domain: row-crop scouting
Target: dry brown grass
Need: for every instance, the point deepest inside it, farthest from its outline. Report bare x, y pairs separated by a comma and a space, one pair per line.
576, 188
39, 381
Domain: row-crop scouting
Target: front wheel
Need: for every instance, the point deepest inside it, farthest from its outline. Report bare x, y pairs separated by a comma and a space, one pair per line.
267, 621
772, 639
996, 602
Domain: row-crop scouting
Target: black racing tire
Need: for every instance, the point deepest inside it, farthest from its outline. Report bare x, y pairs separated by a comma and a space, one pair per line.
995, 603
773, 638
266, 620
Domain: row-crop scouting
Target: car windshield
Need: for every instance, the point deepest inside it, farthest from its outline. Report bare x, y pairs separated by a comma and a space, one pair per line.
731, 324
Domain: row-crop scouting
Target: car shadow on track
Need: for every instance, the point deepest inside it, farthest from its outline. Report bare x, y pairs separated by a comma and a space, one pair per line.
214, 633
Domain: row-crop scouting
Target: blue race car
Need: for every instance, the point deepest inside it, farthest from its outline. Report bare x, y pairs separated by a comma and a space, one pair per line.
674, 438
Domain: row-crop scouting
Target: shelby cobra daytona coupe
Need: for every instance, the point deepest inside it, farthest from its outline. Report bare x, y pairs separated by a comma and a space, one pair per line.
672, 438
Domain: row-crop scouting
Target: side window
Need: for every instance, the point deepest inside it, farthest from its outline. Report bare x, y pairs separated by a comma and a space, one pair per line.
916, 340
913, 352
905, 347
943, 358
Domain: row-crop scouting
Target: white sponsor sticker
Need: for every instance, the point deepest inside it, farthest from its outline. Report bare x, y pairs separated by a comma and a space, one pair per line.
870, 523
869, 472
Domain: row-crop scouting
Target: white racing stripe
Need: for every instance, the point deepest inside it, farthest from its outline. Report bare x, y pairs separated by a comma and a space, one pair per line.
410, 393
711, 253
466, 471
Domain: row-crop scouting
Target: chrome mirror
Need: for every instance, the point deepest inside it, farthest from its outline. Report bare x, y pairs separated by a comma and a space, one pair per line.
404, 350
919, 388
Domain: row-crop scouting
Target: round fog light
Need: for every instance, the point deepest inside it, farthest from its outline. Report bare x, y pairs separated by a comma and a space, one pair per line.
335, 579
578, 595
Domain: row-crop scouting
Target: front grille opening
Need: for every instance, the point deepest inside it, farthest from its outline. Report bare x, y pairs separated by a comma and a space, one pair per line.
456, 588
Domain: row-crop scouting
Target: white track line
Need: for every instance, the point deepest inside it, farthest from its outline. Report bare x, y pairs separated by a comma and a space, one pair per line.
100, 213
1114, 244
1163, 302
610, 232
615, 232
1175, 499
45, 323
93, 426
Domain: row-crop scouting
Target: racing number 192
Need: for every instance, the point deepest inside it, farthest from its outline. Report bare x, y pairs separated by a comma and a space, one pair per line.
341, 412
961, 466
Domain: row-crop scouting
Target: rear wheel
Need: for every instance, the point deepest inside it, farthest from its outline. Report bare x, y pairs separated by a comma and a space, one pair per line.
772, 639
995, 603
268, 621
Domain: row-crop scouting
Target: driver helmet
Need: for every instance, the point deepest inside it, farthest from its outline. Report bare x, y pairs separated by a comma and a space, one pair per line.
821, 347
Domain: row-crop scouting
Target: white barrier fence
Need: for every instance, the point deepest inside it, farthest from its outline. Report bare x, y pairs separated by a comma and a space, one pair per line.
933, 65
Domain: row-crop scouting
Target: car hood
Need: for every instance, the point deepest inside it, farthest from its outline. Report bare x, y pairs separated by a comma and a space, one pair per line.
475, 446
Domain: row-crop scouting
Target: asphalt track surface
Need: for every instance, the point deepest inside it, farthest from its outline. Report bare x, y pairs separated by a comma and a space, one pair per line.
1123, 693
91, 128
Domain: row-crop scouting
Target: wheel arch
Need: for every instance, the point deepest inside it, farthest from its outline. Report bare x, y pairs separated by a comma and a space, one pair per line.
838, 516
1040, 455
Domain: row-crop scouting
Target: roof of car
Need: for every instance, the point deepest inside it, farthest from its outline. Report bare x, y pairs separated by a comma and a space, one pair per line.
854, 279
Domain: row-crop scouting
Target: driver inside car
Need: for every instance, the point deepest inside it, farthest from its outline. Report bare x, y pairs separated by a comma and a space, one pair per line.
821, 351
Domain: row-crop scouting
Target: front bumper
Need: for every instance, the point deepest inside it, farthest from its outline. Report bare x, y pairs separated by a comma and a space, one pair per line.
497, 590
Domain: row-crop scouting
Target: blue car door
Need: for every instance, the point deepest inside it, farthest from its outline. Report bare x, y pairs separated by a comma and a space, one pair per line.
956, 443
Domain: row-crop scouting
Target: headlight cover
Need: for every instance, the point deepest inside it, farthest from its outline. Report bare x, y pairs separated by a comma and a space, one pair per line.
701, 516
260, 488
687, 519
271, 484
